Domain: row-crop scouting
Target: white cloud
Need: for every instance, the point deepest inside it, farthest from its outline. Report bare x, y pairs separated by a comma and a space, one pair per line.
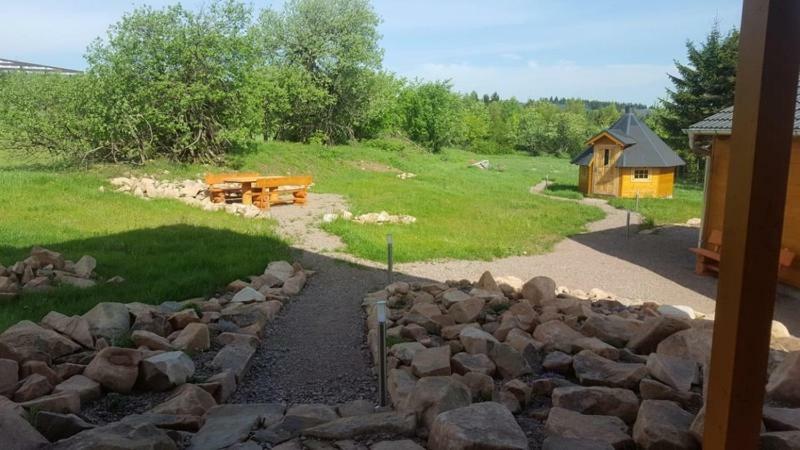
621, 82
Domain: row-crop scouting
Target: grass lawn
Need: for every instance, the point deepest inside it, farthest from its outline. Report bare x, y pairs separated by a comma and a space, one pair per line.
687, 202
462, 212
170, 251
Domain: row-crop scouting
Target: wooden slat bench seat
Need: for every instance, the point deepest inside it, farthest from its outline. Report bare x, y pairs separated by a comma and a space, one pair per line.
221, 192
270, 191
707, 259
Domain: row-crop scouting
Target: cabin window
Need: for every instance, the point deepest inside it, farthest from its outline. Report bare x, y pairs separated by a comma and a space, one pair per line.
606, 156
641, 174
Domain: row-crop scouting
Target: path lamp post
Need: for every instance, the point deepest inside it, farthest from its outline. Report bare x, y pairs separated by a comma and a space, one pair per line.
390, 257
381, 305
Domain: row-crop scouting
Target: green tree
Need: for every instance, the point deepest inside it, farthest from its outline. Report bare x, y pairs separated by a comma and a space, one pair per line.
702, 87
332, 45
431, 114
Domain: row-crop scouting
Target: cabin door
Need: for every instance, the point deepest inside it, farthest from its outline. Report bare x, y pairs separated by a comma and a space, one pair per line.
606, 174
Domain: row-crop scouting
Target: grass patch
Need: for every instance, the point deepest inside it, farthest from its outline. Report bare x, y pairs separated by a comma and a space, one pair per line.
687, 202
462, 212
164, 249
569, 191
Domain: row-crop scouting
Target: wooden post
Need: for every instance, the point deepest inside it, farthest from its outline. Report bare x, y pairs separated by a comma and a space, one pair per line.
766, 84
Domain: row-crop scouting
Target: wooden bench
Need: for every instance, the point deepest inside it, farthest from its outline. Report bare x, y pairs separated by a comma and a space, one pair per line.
270, 191
221, 192
708, 258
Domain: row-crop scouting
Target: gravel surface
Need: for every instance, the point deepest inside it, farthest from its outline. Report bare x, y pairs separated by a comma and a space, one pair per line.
315, 350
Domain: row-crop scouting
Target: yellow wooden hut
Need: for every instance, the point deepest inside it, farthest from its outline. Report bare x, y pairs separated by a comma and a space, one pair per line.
626, 160
712, 137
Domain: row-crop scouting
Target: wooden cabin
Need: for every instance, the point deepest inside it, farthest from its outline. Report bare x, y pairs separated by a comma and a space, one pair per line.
626, 160
712, 136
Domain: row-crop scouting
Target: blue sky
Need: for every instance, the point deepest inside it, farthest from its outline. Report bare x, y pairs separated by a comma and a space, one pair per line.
619, 49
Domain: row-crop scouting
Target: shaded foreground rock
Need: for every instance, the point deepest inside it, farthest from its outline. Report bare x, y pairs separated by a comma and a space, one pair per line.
482, 425
607, 429
227, 425
118, 435
368, 424
663, 424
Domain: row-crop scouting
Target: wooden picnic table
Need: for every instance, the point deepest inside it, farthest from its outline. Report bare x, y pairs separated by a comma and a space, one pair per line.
247, 181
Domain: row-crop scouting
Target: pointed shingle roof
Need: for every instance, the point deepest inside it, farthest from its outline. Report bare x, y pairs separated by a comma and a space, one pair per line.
643, 148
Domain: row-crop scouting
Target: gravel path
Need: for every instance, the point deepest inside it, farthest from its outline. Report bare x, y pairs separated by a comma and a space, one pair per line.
315, 350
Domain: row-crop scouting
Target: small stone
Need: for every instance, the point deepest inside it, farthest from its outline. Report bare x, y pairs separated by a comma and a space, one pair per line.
142, 338
388, 423
510, 363
75, 327
165, 371
560, 443
235, 358
433, 395
41, 368
356, 408
405, 351
453, 296
784, 382
181, 319
557, 335
221, 386
27, 340
9, 376
539, 290
194, 338
187, 399
248, 295
17, 433
57, 426
467, 311
475, 340
654, 390
611, 329
65, 402
677, 311
116, 369
85, 266
311, 414
294, 284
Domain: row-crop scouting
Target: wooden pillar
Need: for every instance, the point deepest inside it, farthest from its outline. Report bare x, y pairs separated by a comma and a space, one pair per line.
764, 105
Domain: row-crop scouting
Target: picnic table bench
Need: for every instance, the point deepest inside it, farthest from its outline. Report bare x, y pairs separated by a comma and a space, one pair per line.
254, 188
707, 259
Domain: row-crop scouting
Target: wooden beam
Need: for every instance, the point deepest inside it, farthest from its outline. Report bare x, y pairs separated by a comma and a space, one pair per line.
766, 84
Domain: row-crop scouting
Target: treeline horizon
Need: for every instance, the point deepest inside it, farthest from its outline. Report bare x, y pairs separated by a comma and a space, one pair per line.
193, 85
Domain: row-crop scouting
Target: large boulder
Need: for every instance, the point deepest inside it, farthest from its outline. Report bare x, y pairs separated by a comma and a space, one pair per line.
116, 369
431, 362
41, 257
476, 340
235, 358
539, 290
467, 311
465, 362
510, 363
663, 424
400, 385
17, 433
784, 382
26, 340
165, 371
594, 370
602, 401
187, 399
611, 430
65, 402
612, 329
109, 320
57, 426
556, 335
118, 435
75, 327
387, 423
691, 343
653, 331
142, 338
31, 387
9, 376
485, 425
781, 419
676, 372
434, 395
228, 425
86, 388
311, 414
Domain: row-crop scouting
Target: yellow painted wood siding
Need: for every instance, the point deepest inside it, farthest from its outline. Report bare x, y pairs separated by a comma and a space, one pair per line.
583, 180
660, 184
715, 206
605, 178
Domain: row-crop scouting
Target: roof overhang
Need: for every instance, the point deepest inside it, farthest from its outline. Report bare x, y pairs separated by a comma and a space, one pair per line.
605, 133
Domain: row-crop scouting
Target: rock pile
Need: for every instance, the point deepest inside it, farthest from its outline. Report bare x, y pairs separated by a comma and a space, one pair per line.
191, 192
56, 366
380, 218
595, 371
43, 270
